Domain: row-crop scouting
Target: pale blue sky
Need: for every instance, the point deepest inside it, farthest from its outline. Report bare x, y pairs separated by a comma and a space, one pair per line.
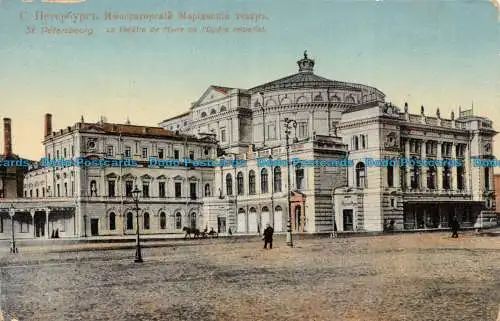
431, 53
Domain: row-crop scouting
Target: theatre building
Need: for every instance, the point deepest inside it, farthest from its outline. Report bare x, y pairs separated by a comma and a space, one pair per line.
74, 201
333, 120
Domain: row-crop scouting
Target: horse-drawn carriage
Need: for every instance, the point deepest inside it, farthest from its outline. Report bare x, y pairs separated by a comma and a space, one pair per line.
199, 234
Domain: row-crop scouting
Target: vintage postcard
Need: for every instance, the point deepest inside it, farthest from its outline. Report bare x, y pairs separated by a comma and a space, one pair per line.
249, 160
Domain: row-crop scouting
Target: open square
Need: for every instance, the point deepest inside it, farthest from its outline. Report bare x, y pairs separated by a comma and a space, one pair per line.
397, 277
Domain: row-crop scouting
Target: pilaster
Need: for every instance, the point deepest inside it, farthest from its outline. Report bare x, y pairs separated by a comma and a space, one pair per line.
439, 169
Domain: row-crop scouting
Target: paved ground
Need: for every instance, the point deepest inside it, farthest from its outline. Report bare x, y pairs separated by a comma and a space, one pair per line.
401, 277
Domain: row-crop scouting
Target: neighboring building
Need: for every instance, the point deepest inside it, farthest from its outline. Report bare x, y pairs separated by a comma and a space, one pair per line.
96, 200
497, 188
335, 119
11, 176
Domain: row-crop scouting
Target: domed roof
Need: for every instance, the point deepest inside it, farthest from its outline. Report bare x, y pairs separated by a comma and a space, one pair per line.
306, 78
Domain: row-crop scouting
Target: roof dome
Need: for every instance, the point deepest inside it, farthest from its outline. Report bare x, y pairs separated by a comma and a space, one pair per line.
306, 79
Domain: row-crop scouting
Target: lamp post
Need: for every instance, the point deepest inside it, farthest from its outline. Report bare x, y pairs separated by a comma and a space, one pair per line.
289, 123
12, 213
138, 255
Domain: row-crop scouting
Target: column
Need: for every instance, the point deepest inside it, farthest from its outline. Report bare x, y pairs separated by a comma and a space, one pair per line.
408, 172
32, 212
439, 170
47, 213
423, 169
454, 168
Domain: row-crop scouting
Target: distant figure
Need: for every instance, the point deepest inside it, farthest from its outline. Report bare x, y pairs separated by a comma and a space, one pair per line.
455, 226
229, 232
268, 236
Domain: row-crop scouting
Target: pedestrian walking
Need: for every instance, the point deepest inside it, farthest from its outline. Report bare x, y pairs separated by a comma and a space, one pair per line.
268, 236
455, 226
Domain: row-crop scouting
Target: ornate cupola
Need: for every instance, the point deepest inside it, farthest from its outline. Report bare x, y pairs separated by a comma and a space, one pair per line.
306, 64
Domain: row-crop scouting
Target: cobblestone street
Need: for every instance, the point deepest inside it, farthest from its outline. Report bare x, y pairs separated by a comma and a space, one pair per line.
400, 277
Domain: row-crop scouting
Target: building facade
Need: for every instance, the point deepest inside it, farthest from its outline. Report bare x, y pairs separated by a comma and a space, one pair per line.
83, 186
353, 166
339, 120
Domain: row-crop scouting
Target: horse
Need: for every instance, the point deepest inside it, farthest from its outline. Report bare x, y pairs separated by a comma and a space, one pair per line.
189, 231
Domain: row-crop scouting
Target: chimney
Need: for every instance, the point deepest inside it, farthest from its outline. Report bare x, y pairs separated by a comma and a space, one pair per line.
7, 137
48, 125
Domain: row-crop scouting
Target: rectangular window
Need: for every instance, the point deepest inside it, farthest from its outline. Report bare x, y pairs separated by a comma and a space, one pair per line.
176, 154
1, 224
128, 188
111, 188
392, 202
299, 176
37, 192
58, 191
57, 155
128, 151
302, 130
144, 152
223, 136
65, 189
192, 190
178, 189
191, 155
65, 153
161, 188
72, 150
161, 153
43, 191
110, 151
145, 190
271, 131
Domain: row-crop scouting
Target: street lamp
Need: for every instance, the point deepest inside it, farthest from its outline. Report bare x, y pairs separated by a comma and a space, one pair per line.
289, 123
135, 196
12, 213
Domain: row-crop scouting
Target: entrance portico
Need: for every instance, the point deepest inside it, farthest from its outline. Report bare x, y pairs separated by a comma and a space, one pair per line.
30, 220
432, 215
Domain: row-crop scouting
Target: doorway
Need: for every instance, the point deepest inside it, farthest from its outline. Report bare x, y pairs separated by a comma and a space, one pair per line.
221, 225
348, 220
94, 226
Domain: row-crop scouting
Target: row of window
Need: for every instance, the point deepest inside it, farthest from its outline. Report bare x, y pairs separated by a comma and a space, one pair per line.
415, 177
359, 142
264, 184
146, 221
431, 148
57, 192
110, 152
213, 112
162, 191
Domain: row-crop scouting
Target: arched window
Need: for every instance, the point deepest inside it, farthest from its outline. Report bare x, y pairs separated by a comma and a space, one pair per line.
431, 177
349, 99
263, 181
446, 177
229, 184
178, 220
277, 179
203, 114
213, 112
360, 175
223, 109
251, 182
163, 221
207, 190
193, 220
240, 183
146, 221
112, 221
130, 221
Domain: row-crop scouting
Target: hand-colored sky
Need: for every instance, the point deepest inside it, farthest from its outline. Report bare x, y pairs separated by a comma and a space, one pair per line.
432, 53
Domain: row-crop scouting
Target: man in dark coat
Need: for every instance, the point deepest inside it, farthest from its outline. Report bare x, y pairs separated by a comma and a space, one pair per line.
268, 236
454, 225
